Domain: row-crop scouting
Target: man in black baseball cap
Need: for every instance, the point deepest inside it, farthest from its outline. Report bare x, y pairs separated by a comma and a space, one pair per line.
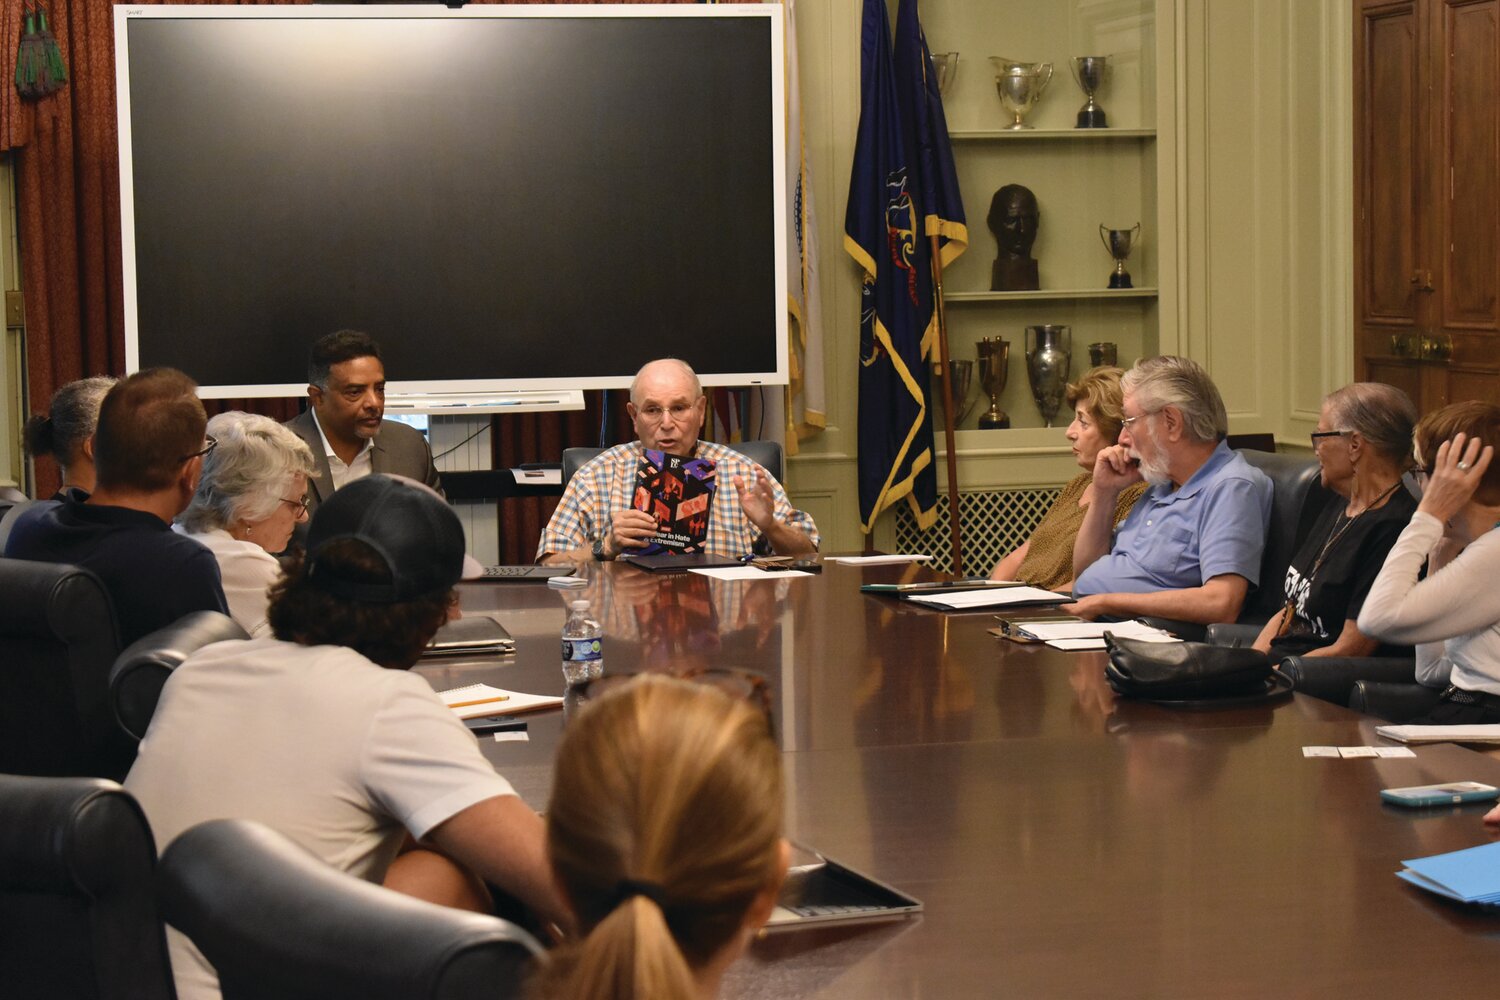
323, 734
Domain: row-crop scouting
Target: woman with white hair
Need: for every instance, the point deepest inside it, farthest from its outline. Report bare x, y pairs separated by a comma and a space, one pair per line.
252, 494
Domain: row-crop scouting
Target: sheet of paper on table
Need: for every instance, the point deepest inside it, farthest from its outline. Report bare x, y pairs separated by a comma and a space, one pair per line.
964, 600
1075, 636
875, 560
747, 573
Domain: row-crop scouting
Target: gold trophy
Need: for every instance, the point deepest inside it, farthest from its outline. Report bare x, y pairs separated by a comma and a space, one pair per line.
1119, 243
994, 366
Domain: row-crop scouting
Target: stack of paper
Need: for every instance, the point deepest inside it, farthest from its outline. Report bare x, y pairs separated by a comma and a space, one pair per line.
989, 597
1440, 734
477, 700
1090, 635
1469, 876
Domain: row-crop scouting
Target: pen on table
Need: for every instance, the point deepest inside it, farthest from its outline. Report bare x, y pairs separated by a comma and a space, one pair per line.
483, 727
480, 701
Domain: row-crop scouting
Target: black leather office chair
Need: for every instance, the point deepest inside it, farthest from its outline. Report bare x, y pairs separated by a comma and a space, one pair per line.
1297, 498
279, 924
767, 454
136, 679
58, 639
77, 917
10, 510
1393, 701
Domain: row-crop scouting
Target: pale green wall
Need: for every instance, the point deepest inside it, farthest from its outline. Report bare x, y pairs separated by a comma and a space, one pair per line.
1254, 165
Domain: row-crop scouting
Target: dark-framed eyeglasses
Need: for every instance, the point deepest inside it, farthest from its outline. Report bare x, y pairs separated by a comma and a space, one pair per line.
742, 685
209, 444
1317, 436
302, 503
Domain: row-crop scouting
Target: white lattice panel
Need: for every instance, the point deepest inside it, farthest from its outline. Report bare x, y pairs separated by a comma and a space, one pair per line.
994, 522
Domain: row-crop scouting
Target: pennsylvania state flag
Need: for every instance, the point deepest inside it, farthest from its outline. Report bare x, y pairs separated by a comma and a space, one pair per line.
902, 188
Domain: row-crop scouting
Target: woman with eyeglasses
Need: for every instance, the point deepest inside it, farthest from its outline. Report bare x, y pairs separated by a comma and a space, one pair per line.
664, 834
250, 498
1451, 615
1363, 447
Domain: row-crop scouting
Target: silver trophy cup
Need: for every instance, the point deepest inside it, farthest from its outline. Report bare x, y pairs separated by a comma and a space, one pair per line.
994, 366
1090, 72
1119, 243
961, 374
1104, 353
1020, 85
945, 64
1049, 356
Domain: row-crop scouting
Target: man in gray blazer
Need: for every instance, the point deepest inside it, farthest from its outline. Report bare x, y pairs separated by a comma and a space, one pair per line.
344, 423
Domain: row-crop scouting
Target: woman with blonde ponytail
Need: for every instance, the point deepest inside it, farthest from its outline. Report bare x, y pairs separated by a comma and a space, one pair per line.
664, 833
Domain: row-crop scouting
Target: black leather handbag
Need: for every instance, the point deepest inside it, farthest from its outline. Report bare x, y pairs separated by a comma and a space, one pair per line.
1184, 671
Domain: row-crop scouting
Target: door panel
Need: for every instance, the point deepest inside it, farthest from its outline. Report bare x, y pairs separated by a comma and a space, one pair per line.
1471, 238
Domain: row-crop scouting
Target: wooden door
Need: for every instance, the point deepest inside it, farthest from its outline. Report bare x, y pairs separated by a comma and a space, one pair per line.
1427, 192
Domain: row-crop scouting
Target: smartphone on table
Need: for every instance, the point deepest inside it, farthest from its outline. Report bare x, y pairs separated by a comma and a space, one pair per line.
1447, 793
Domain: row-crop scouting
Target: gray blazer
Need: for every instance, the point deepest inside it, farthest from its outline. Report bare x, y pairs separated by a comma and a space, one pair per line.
398, 450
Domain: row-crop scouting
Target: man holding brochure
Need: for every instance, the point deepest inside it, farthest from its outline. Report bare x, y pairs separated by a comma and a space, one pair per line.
600, 516
322, 733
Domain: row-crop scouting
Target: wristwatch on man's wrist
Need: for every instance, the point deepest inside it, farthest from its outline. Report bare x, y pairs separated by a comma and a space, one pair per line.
599, 549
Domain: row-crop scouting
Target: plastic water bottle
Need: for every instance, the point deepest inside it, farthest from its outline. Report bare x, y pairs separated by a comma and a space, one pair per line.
582, 645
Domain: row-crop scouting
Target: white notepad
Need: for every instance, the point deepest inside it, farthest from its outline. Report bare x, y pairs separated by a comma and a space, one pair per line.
1440, 734
477, 700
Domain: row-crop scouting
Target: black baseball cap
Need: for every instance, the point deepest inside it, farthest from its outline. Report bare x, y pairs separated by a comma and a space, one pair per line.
407, 524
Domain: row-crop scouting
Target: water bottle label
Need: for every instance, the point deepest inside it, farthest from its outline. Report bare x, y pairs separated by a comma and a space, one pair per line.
582, 650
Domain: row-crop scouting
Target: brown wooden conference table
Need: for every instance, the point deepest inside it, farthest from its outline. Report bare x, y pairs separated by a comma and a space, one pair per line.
1065, 843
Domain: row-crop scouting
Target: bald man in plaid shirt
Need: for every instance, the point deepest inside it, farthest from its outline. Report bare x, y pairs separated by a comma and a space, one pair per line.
596, 520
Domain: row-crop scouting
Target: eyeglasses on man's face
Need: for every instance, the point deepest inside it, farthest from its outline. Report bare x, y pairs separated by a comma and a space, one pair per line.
655, 414
1317, 436
209, 444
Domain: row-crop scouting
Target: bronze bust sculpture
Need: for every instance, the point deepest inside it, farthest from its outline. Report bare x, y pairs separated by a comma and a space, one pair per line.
1013, 219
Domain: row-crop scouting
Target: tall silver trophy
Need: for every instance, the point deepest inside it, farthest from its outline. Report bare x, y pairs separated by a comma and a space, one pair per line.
1119, 243
1091, 72
961, 374
945, 64
994, 366
1049, 355
1020, 85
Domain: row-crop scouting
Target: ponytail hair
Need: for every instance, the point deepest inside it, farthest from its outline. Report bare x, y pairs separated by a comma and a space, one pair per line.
69, 421
663, 829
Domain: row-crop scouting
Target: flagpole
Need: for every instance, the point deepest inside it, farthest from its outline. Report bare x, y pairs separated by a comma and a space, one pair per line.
945, 374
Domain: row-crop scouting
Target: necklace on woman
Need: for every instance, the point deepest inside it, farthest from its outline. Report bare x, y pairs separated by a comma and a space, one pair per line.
1340, 528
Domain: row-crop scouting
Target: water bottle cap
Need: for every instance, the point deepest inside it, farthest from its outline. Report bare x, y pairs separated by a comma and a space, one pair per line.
579, 605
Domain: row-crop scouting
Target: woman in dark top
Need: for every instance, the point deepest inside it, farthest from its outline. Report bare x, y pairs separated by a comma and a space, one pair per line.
1363, 445
66, 433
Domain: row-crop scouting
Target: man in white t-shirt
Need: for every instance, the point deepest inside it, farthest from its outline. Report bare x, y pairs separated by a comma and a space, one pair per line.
323, 734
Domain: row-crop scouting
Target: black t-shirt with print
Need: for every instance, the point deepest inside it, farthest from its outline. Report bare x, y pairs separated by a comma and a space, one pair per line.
1338, 590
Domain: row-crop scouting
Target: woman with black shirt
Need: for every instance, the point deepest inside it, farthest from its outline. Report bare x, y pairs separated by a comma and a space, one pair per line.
1363, 445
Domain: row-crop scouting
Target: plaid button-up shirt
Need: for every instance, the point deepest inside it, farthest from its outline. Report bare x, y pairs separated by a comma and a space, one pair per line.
607, 484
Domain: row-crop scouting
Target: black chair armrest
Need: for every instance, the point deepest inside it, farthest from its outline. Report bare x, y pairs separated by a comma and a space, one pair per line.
136, 679
1232, 634
1331, 677
1392, 701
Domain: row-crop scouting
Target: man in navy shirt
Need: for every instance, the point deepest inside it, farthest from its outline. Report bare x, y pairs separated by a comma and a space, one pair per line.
148, 452
1191, 547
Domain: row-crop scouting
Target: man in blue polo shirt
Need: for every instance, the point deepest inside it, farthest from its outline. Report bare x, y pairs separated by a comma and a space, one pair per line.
148, 455
1191, 547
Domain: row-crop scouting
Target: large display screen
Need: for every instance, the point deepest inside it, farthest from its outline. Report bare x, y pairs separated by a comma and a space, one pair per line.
505, 197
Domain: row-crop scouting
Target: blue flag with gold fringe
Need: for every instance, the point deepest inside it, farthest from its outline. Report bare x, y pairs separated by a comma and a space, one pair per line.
885, 231
926, 136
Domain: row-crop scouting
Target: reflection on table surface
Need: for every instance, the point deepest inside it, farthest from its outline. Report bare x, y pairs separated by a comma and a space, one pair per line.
1064, 842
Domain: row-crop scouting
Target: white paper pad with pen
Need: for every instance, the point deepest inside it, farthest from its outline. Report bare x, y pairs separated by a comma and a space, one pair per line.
478, 700
989, 597
1090, 635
